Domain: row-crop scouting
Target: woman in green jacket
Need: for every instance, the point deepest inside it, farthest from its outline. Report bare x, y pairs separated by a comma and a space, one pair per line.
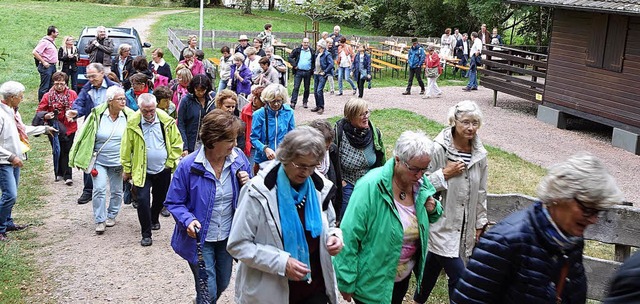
386, 227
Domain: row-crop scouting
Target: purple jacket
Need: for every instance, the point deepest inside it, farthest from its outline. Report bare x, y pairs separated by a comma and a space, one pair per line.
191, 196
241, 87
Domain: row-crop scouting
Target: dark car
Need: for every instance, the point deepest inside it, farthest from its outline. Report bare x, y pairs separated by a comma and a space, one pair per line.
119, 35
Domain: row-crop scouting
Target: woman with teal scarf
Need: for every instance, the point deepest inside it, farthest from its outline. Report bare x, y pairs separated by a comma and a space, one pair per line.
284, 230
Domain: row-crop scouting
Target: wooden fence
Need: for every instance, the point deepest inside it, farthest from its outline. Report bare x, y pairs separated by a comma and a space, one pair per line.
619, 226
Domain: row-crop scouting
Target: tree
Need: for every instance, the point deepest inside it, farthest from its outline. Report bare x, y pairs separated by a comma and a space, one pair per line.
247, 7
329, 9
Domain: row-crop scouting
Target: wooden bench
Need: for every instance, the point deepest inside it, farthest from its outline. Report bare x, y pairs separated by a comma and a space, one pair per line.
215, 60
288, 50
376, 69
394, 68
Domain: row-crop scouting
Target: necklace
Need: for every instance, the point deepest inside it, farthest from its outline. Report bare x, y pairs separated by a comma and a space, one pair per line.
301, 203
402, 194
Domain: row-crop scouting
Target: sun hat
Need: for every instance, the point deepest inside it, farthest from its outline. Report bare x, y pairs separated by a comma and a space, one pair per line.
243, 37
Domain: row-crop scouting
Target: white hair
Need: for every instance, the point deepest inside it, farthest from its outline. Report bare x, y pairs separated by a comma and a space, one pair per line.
11, 88
582, 177
412, 144
122, 47
112, 91
96, 66
465, 107
99, 28
147, 99
337, 27
301, 141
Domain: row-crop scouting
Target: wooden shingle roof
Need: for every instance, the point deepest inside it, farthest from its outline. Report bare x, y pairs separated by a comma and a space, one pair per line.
626, 7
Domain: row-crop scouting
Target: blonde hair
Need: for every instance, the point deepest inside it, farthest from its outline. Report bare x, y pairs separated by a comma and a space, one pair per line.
273, 91
354, 107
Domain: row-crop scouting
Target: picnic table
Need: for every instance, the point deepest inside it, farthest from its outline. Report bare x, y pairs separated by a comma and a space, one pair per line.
281, 46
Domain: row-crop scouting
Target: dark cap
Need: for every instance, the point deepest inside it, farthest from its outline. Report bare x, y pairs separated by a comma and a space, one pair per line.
414, 39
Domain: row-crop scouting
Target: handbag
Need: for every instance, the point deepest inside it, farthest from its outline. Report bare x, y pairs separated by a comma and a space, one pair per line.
432, 72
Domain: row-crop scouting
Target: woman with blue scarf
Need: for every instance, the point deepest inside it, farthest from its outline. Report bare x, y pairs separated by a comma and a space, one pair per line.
535, 255
284, 230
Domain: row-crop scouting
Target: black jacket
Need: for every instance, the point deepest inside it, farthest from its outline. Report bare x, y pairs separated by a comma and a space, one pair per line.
625, 285
459, 49
127, 71
335, 176
190, 117
294, 57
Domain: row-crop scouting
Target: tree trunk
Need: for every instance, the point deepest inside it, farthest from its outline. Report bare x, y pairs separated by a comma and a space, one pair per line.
215, 3
247, 7
539, 26
272, 4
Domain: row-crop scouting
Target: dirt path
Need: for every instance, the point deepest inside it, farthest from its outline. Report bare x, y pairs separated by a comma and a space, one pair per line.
114, 268
143, 23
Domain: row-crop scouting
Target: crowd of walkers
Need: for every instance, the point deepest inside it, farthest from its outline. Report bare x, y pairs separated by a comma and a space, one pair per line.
310, 213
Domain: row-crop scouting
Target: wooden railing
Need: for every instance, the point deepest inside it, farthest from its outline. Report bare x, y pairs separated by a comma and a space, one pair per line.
619, 226
513, 71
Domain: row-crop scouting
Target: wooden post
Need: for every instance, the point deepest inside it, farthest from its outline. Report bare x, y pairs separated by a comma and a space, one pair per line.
495, 97
213, 39
622, 252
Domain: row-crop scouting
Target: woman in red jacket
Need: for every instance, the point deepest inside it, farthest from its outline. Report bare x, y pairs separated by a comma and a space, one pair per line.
434, 69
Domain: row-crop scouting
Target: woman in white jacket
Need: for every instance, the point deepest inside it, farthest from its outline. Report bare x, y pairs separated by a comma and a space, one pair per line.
284, 233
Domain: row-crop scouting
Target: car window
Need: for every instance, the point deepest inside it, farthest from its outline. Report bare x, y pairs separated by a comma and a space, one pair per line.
135, 46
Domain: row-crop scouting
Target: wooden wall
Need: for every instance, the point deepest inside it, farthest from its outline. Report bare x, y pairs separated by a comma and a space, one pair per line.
614, 98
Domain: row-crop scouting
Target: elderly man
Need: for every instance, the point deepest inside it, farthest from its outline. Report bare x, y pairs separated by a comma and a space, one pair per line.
323, 69
416, 58
336, 36
149, 153
46, 53
14, 142
100, 49
475, 59
92, 94
277, 63
243, 44
301, 60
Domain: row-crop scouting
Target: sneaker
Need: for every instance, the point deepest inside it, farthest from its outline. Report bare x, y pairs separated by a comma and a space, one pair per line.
110, 222
316, 109
146, 241
422, 92
304, 105
17, 227
58, 178
355, 91
339, 93
321, 111
68, 182
84, 198
467, 89
406, 93
425, 97
165, 212
100, 228
474, 88
155, 226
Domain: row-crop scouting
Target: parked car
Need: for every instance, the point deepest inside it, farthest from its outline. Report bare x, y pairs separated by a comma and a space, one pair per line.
119, 35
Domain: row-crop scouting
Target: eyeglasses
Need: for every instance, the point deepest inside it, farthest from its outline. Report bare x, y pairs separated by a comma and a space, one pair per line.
365, 114
145, 111
92, 76
414, 170
588, 211
60, 84
276, 101
119, 98
469, 123
304, 168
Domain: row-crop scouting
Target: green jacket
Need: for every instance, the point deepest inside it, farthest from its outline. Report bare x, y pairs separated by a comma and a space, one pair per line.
85, 139
133, 152
372, 233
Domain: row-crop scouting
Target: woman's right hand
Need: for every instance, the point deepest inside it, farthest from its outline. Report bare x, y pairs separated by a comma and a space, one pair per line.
185, 153
191, 229
453, 169
269, 153
346, 296
295, 269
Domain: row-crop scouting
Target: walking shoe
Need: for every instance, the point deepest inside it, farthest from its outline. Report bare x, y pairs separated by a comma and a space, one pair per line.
4, 237
304, 105
355, 91
84, 198
467, 89
17, 227
146, 241
321, 111
293, 105
422, 92
406, 93
68, 182
100, 228
134, 204
165, 212
331, 92
155, 226
110, 222
316, 109
339, 93
58, 178
474, 88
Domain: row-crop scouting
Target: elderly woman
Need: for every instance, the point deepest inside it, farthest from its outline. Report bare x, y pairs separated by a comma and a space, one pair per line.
180, 85
458, 171
535, 255
432, 61
14, 142
268, 74
203, 196
330, 164
361, 69
359, 145
192, 63
246, 115
284, 231
123, 65
241, 77
96, 150
68, 57
140, 84
386, 227
193, 107
448, 42
271, 123
192, 45
158, 66
252, 61
51, 111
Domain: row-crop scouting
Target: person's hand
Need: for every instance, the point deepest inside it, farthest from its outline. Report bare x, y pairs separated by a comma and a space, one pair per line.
243, 177
237, 75
334, 245
184, 153
191, 229
295, 269
351, 74
478, 234
49, 115
453, 169
269, 153
17, 162
430, 204
96, 43
51, 130
346, 296
126, 176
46, 65
71, 114
369, 77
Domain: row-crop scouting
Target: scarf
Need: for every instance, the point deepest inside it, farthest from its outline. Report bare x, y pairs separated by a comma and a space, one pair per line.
59, 100
22, 131
295, 242
137, 93
358, 138
553, 233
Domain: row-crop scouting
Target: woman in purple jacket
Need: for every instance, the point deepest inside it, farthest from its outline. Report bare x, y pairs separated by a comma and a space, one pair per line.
240, 80
203, 197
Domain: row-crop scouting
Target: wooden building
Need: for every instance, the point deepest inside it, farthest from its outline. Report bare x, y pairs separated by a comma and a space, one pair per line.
593, 66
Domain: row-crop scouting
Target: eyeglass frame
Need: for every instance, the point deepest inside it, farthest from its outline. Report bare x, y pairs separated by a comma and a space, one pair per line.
304, 168
414, 170
467, 124
588, 212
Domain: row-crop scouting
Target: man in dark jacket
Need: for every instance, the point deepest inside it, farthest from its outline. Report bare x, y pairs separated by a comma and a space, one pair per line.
301, 59
415, 59
100, 49
323, 69
462, 53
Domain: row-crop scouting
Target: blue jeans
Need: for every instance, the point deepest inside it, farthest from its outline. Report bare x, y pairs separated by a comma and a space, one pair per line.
432, 267
222, 85
318, 89
219, 264
346, 195
112, 176
345, 72
45, 79
473, 74
301, 75
9, 178
252, 157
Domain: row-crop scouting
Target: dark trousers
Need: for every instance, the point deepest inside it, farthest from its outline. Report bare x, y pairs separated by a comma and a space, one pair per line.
399, 291
417, 72
148, 213
63, 160
462, 62
432, 267
88, 184
318, 89
297, 79
361, 82
45, 79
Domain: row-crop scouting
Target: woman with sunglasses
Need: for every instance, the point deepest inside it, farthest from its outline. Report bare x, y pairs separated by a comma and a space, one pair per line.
535, 255
458, 171
270, 124
386, 227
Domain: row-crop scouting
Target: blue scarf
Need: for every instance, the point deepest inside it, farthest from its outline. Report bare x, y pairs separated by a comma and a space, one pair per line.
553, 233
295, 242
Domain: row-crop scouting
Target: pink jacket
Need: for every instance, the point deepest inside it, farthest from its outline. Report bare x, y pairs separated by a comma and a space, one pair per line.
197, 68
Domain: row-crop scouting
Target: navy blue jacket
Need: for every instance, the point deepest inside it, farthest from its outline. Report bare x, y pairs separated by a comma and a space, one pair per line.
515, 262
355, 68
326, 63
190, 115
84, 104
294, 57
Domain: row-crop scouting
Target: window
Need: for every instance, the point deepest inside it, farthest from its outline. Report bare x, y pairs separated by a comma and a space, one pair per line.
608, 41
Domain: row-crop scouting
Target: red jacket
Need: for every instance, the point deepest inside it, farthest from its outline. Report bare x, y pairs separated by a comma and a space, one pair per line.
433, 61
45, 105
247, 116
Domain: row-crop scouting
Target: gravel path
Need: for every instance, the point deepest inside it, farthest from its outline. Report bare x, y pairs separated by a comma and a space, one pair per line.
114, 268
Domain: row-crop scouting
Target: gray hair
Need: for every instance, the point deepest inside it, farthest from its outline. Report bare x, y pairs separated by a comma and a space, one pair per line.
268, 49
465, 107
412, 144
112, 91
272, 91
582, 177
238, 57
250, 51
301, 141
99, 28
147, 99
96, 66
122, 47
10, 89
187, 53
